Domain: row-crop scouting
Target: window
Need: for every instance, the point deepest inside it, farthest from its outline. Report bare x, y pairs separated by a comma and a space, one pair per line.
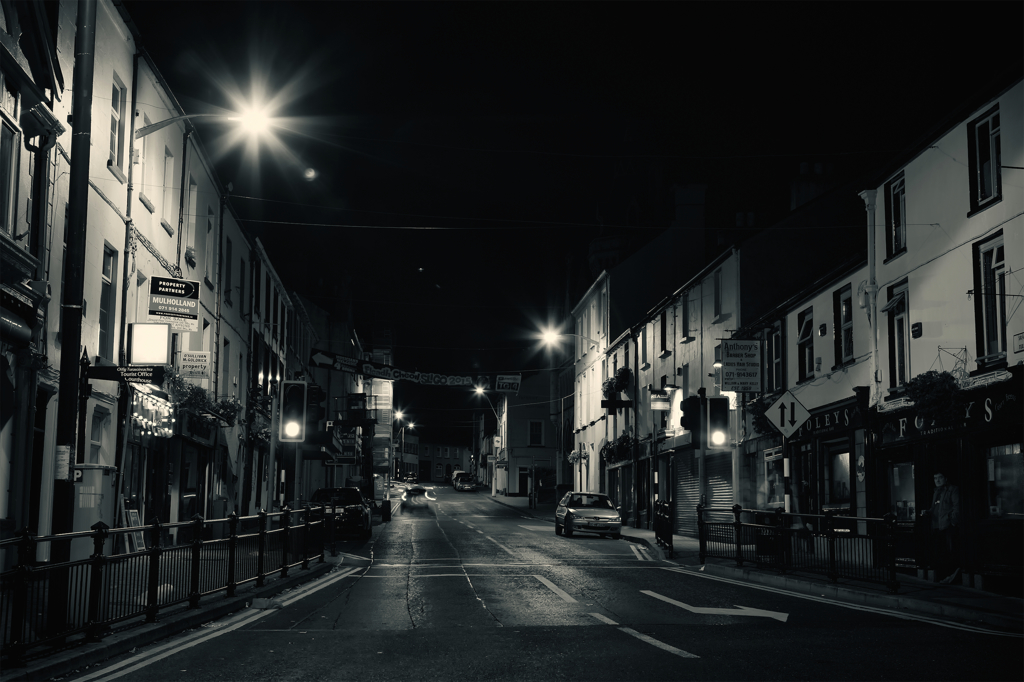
990, 298
1005, 482
643, 348
266, 309
99, 422
842, 310
718, 293
191, 211
899, 338
663, 331
684, 316
9, 148
984, 160
536, 432
895, 217
108, 294
776, 359
805, 345
241, 285
275, 331
226, 387
228, 282
685, 384
117, 108
167, 209
211, 246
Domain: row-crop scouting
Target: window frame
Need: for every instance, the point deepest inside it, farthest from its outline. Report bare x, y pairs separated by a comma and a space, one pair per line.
805, 344
993, 148
842, 300
107, 308
166, 217
897, 312
775, 357
10, 104
539, 423
896, 216
116, 155
211, 247
988, 305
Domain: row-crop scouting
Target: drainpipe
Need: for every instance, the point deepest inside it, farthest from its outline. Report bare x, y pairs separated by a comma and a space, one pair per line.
871, 290
184, 189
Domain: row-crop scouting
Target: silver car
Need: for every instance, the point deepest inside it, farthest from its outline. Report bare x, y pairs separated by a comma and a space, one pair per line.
588, 512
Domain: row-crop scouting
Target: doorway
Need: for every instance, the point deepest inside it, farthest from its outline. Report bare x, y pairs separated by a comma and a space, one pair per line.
524, 481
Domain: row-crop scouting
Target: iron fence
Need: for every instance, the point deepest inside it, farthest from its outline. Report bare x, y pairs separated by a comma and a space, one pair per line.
849, 547
46, 603
663, 525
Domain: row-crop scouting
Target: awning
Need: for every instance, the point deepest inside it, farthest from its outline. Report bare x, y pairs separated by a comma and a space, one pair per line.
894, 302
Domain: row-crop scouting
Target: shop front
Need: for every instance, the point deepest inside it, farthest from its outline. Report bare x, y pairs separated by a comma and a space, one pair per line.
978, 449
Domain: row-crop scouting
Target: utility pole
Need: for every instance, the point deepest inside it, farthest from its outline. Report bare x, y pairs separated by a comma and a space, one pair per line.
71, 302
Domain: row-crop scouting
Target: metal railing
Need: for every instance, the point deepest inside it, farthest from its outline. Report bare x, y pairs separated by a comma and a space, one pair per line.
849, 547
46, 603
663, 525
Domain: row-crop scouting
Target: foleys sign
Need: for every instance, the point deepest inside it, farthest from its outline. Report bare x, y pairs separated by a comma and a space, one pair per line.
835, 418
990, 409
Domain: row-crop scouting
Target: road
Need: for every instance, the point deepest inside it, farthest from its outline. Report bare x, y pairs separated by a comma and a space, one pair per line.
469, 589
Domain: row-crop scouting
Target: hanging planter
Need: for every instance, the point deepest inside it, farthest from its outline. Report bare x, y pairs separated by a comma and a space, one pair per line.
190, 256
623, 377
574, 456
936, 396
608, 389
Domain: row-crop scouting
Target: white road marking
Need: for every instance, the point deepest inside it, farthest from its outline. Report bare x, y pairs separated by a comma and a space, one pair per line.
636, 552
500, 545
661, 645
536, 527
711, 611
604, 619
554, 588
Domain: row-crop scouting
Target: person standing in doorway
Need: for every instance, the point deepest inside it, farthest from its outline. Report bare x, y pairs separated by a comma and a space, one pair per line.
945, 517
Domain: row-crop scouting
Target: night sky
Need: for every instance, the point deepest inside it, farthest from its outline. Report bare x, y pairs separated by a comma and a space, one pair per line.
466, 153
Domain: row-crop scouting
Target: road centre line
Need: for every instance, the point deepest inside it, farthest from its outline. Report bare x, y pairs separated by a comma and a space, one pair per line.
554, 588
661, 645
604, 619
500, 545
846, 605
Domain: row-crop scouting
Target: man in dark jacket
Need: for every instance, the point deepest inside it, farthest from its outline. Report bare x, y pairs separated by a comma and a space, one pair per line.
945, 517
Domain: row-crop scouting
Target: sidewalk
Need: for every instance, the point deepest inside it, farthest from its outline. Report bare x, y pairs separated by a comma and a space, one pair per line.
915, 595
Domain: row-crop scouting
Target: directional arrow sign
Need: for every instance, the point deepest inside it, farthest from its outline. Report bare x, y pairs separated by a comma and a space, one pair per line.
787, 414
738, 611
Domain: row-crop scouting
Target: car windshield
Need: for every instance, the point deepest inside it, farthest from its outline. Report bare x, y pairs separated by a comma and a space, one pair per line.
344, 496
594, 501
415, 491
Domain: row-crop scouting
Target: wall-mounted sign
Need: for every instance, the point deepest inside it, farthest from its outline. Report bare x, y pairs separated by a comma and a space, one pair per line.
174, 302
741, 365
508, 383
135, 374
149, 343
195, 364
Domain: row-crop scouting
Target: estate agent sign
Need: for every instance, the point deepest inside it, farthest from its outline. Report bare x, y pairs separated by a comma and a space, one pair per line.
174, 302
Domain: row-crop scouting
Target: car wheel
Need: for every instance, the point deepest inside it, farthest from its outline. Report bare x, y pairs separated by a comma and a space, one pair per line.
558, 529
568, 529
616, 536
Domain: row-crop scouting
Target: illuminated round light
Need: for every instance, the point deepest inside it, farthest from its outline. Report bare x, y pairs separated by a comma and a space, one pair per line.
718, 438
309, 174
291, 429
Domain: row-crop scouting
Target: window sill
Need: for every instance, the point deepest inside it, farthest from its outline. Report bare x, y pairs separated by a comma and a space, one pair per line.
147, 203
645, 366
721, 318
805, 380
988, 204
688, 339
989, 363
895, 256
167, 227
665, 353
116, 172
208, 282
896, 392
844, 364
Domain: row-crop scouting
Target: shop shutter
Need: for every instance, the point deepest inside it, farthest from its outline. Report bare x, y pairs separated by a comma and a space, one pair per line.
719, 472
687, 494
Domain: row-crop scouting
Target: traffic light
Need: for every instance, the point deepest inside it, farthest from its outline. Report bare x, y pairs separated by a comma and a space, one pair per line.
315, 410
690, 419
718, 422
293, 412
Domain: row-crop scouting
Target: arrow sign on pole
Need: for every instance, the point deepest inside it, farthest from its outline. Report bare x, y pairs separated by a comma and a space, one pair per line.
798, 414
738, 611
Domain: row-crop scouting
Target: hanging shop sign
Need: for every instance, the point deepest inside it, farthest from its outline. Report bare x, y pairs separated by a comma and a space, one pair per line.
194, 364
136, 374
741, 365
175, 302
508, 383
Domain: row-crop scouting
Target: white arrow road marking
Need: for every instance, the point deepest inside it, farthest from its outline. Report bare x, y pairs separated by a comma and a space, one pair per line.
554, 588
708, 611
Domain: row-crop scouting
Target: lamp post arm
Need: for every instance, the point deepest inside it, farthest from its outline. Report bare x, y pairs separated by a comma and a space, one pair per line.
153, 127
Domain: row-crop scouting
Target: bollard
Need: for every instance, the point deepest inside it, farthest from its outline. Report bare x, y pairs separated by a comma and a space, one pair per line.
152, 596
197, 550
232, 551
94, 629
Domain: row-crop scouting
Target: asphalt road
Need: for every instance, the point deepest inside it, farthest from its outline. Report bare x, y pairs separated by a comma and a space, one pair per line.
468, 589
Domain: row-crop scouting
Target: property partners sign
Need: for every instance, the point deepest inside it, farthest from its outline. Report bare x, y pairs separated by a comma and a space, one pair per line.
174, 302
741, 365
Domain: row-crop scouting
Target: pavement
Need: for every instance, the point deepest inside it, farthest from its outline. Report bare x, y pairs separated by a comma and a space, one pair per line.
915, 596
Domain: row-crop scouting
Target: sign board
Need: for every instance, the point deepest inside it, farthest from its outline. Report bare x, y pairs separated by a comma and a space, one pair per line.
174, 302
62, 467
787, 414
741, 365
136, 374
508, 383
136, 539
1018, 343
660, 401
194, 364
342, 363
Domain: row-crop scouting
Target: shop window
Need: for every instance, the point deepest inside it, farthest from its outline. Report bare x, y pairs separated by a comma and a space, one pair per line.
774, 478
990, 299
837, 487
1006, 482
901, 491
984, 159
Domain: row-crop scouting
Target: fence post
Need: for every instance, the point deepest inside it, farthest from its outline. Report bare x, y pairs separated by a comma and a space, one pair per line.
197, 550
892, 584
738, 528
94, 629
701, 533
261, 548
19, 609
152, 596
830, 539
780, 542
305, 540
232, 551
286, 522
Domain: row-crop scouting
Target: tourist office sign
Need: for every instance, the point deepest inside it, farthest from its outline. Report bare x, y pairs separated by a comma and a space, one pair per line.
134, 374
174, 302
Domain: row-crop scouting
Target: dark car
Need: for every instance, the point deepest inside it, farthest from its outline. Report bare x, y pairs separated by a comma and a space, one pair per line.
463, 481
353, 511
416, 497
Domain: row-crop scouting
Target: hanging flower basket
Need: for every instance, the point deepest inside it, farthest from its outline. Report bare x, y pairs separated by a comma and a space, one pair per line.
623, 377
574, 456
608, 389
936, 396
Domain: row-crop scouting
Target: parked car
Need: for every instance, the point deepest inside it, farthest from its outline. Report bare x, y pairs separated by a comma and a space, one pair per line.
588, 512
463, 481
416, 497
353, 510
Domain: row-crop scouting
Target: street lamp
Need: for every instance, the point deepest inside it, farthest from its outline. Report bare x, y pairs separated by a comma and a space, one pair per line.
550, 337
386, 512
253, 120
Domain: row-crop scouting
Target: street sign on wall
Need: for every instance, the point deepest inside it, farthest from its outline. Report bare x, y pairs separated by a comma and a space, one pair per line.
175, 302
787, 414
741, 365
194, 364
508, 383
